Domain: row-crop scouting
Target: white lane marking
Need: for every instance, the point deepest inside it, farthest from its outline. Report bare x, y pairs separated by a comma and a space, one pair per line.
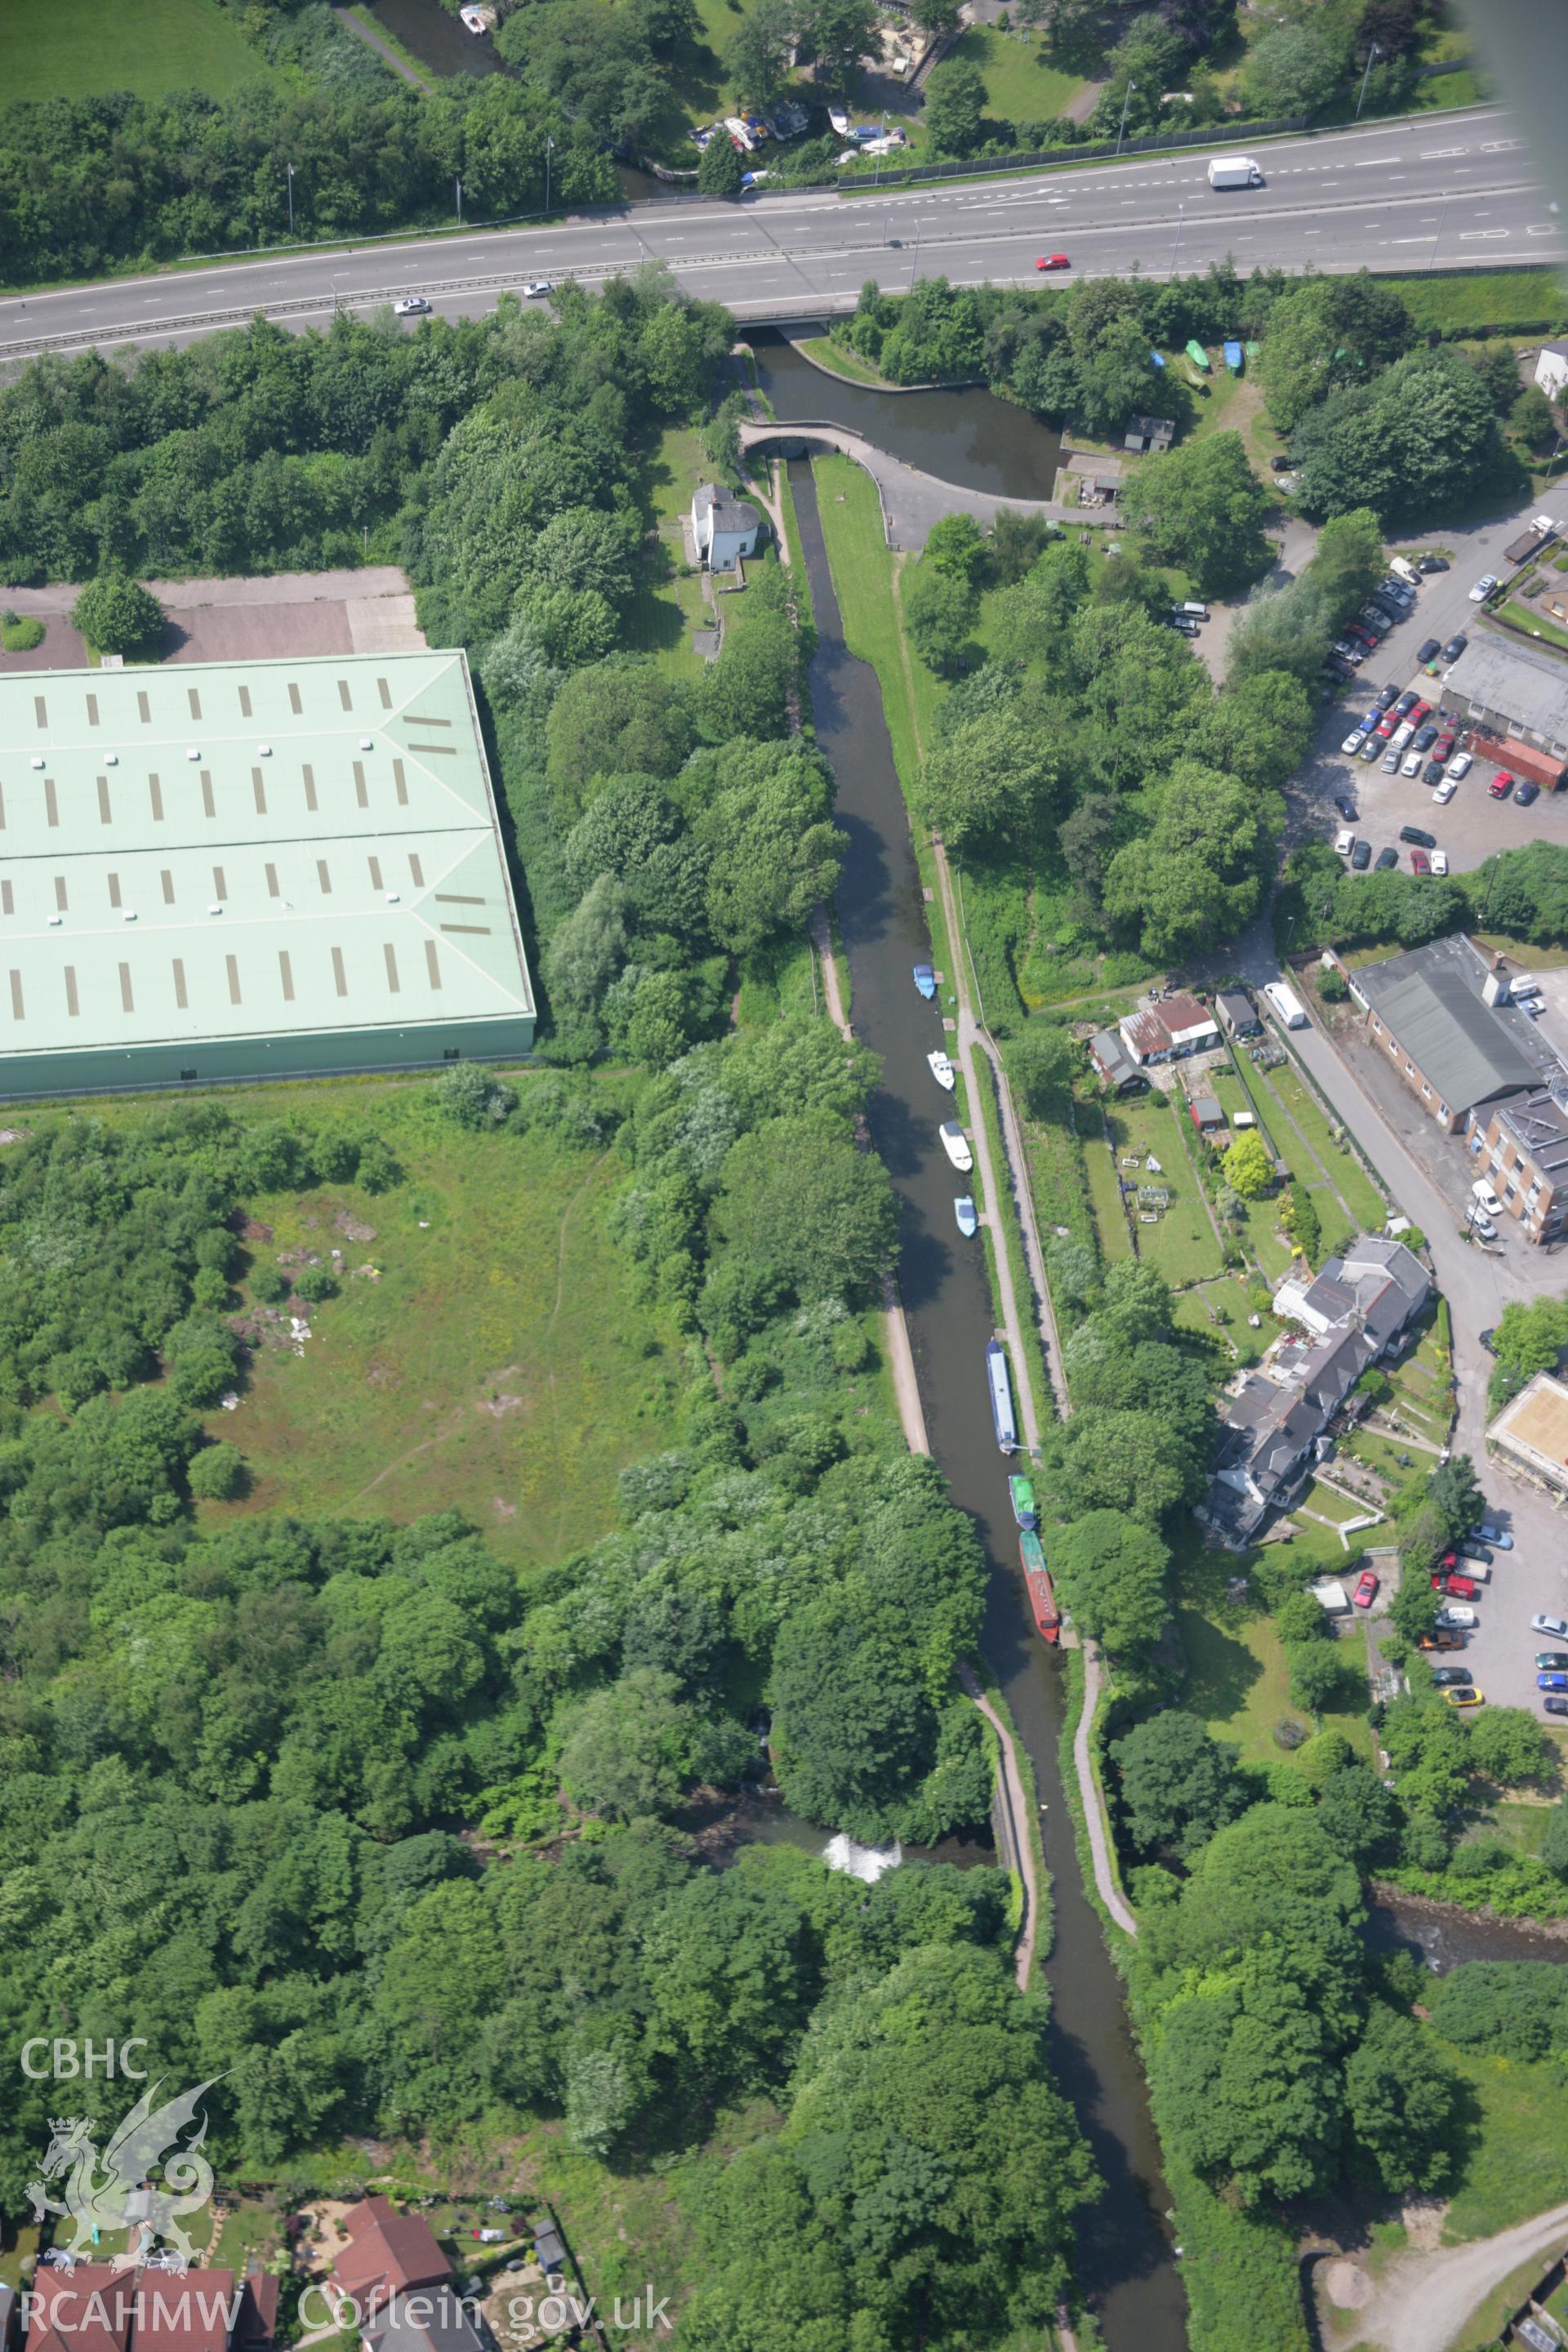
1432, 154
1398, 240
1550, 230
1371, 162
1481, 236
1499, 146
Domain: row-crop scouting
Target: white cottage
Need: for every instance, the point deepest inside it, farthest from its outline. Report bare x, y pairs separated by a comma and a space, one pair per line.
724, 528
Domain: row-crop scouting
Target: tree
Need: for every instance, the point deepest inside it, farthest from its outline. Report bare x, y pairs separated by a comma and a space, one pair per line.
1348, 561
938, 610
1533, 419
571, 627
1243, 2081
1113, 1573
219, 1474
1028, 618
1177, 1785
580, 548
1528, 1338
1513, 1749
1120, 1460
624, 1751
955, 105
1554, 1844
1454, 1492
1194, 878
954, 545
1248, 1169
117, 616
840, 33
622, 717
1261, 729
989, 776
726, 1965
1016, 542
1402, 2104
771, 854
935, 16
1317, 1674
746, 690
1202, 506
1497, 364
797, 1196
719, 167
1294, 70
589, 950
848, 1716
1325, 333
757, 59
1421, 434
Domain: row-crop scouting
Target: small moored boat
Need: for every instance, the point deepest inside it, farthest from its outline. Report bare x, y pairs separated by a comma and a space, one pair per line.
1021, 1494
942, 1069
955, 1143
964, 1210
1042, 1592
925, 981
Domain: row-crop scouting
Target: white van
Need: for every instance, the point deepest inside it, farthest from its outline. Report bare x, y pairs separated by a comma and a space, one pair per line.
1284, 1004
1405, 571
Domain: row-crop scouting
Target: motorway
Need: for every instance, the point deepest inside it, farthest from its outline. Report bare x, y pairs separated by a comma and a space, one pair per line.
1433, 191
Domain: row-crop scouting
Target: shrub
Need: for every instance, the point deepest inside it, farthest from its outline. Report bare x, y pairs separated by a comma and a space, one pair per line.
117, 615
219, 1474
19, 633
315, 1283
270, 1284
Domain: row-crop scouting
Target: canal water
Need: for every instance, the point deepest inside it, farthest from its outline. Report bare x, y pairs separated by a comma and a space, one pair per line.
969, 437
1124, 2256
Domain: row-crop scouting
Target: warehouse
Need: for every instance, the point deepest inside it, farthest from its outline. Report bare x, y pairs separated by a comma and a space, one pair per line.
1519, 696
242, 870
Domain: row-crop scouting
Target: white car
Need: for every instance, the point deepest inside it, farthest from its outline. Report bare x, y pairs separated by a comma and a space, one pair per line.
1438, 860
1459, 766
1400, 735
1458, 1615
1389, 763
1482, 1226
1486, 1197
1552, 1625
1354, 740
955, 1143
1534, 1005
1483, 588
409, 307
1412, 763
1345, 841
1443, 793
536, 287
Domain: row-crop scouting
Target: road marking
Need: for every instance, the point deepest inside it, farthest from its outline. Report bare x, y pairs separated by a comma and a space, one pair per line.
1372, 163
1432, 154
1398, 240
1481, 236
1550, 230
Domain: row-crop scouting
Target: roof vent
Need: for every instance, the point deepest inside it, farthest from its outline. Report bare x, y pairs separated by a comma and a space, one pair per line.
264, 750
193, 755
392, 898
127, 915
366, 743
216, 908
55, 921
111, 759
38, 763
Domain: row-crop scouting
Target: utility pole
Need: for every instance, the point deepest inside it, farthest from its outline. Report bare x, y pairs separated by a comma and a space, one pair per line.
290, 169
1125, 103
459, 188
549, 151
915, 258
1374, 52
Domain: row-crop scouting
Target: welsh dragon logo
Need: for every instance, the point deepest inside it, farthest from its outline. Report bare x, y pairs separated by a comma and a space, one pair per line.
116, 2191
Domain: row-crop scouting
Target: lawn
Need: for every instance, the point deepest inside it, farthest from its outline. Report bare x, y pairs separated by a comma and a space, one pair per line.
1182, 1243
1228, 1299
1109, 1218
1517, 2163
1338, 1161
495, 1363
865, 576
1020, 86
1235, 1678
669, 605
74, 48
1502, 302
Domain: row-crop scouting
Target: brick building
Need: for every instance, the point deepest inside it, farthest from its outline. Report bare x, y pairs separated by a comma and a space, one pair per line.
1426, 1011
1524, 1148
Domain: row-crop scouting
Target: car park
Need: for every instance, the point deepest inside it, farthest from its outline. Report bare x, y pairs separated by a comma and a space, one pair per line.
1501, 785
1556, 1627
1361, 856
1365, 1591
1425, 651
1450, 1677
1345, 841
1412, 763
1526, 793
1459, 766
1440, 861
1468, 1695
1385, 859
1354, 740
1445, 791
1489, 1531
410, 306
1483, 588
1419, 862
1454, 647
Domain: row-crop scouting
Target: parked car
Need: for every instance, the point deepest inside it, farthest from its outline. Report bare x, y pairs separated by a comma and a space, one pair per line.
409, 306
1458, 1588
1552, 1662
1354, 740
1389, 763
1370, 748
1486, 1197
1432, 773
1457, 1616
1345, 841
1365, 1591
1554, 1705
1350, 652
1402, 592
1445, 744
1433, 563
1419, 862
1386, 724
1361, 856
1557, 1627
1526, 793
1426, 649
1346, 806
1406, 702
1450, 1677
1454, 647
1374, 618
1553, 1682
1466, 1696
1413, 762
1441, 1637
1425, 738
1280, 465
1489, 1531
1483, 588
1501, 785
1389, 696
1423, 840
1386, 859
1459, 766
1440, 861
1370, 717
1419, 711
1445, 791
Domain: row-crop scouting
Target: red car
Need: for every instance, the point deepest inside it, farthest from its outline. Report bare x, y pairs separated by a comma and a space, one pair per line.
1444, 743
1417, 712
1053, 261
1365, 1591
1501, 785
1419, 862
1458, 1588
1387, 726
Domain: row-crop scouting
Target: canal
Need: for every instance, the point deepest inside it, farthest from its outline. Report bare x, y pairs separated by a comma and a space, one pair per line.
1125, 2261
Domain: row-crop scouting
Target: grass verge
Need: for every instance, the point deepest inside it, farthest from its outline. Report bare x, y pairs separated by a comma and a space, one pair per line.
77, 48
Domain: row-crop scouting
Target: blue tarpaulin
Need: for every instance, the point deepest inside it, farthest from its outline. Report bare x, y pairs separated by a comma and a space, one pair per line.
1233, 358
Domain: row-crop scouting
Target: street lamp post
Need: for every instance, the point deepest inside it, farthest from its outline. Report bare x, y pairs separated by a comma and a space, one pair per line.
1374, 52
459, 188
1126, 101
1176, 241
290, 169
915, 258
1437, 240
549, 151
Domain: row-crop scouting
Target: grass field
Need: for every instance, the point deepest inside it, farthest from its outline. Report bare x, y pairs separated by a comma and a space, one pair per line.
75, 48
1020, 86
864, 574
1237, 1682
1181, 1244
1507, 300
498, 1365
1517, 2163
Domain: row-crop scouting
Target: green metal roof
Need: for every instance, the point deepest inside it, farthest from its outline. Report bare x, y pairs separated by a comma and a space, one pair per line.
241, 850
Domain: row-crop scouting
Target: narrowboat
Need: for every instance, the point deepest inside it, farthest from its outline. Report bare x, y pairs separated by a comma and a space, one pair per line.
1001, 1397
1021, 1493
1042, 1593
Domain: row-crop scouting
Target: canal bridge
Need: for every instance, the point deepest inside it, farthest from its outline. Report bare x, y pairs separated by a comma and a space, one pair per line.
911, 501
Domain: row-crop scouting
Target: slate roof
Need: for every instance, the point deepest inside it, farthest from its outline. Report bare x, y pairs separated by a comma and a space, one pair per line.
1539, 1125
1237, 1012
1528, 686
426, 2321
1429, 1002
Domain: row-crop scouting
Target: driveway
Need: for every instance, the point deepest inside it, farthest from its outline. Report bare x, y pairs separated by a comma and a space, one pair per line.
1421, 2300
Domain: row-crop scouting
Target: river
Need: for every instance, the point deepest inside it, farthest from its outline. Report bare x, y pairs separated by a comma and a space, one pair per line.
1125, 2262
969, 437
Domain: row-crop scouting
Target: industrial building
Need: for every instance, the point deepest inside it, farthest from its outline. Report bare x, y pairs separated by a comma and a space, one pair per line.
1446, 1027
1519, 696
242, 870
1531, 1435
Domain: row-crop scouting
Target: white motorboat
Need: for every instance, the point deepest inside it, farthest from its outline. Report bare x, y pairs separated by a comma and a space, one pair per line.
955, 1143
942, 1069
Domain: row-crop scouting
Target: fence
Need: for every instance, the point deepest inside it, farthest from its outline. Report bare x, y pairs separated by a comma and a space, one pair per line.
1215, 134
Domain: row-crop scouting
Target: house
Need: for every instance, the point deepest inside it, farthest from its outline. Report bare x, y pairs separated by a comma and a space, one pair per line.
1526, 1137
1552, 369
1429, 1010
81, 2307
723, 528
1170, 1031
1146, 433
93, 2307
426, 2320
388, 2253
1274, 1425
1237, 1014
1112, 1063
1519, 695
